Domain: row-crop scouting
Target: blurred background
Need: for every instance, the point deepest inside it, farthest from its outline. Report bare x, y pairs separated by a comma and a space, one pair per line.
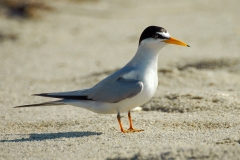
63, 45
79, 42
72, 44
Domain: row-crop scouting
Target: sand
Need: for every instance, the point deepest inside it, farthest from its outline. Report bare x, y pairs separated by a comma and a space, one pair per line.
72, 45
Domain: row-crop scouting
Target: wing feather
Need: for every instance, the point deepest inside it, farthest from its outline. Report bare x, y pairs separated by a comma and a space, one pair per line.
115, 88
111, 90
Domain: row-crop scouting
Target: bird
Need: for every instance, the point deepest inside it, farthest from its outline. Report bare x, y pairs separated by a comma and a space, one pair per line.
131, 86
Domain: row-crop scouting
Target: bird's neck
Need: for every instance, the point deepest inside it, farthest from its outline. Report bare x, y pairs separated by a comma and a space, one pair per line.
146, 57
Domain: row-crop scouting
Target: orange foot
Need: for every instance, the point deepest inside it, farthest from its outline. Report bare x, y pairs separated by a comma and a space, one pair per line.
135, 130
132, 130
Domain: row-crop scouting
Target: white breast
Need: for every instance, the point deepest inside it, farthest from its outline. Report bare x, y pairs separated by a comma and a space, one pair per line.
150, 83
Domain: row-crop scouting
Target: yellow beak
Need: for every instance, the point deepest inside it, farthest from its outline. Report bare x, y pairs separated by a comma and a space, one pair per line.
175, 41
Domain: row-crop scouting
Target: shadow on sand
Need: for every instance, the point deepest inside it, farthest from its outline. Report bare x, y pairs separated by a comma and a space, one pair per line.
50, 136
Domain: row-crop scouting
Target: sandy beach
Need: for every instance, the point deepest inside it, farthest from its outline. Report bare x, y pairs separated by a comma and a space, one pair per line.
65, 45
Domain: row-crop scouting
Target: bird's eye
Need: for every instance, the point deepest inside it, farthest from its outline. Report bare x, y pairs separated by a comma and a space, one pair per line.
155, 36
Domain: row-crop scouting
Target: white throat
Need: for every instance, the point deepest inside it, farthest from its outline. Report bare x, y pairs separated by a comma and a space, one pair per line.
147, 55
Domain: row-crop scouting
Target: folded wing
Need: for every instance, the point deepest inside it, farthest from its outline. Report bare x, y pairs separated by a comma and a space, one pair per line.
112, 89
115, 91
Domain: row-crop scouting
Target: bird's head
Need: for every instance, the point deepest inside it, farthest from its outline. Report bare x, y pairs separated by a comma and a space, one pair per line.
157, 37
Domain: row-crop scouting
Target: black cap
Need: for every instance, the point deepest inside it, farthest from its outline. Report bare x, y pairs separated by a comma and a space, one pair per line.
151, 32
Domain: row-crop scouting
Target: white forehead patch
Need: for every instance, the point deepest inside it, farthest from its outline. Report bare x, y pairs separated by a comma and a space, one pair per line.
164, 34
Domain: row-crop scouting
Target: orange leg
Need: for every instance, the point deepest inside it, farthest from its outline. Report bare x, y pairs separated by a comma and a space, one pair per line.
120, 123
131, 126
131, 129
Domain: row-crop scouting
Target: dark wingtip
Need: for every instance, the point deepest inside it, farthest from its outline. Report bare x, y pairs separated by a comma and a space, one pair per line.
22, 106
28, 105
41, 94
188, 45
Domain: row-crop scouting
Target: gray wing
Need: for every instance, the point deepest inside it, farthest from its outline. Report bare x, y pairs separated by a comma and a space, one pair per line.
111, 90
115, 88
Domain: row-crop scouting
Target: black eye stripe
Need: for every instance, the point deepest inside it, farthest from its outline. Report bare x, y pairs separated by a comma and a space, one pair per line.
156, 35
160, 36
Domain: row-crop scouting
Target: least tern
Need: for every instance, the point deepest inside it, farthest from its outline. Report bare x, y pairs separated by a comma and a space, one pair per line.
127, 88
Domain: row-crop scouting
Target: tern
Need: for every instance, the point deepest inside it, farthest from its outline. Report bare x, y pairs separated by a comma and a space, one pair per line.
125, 89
